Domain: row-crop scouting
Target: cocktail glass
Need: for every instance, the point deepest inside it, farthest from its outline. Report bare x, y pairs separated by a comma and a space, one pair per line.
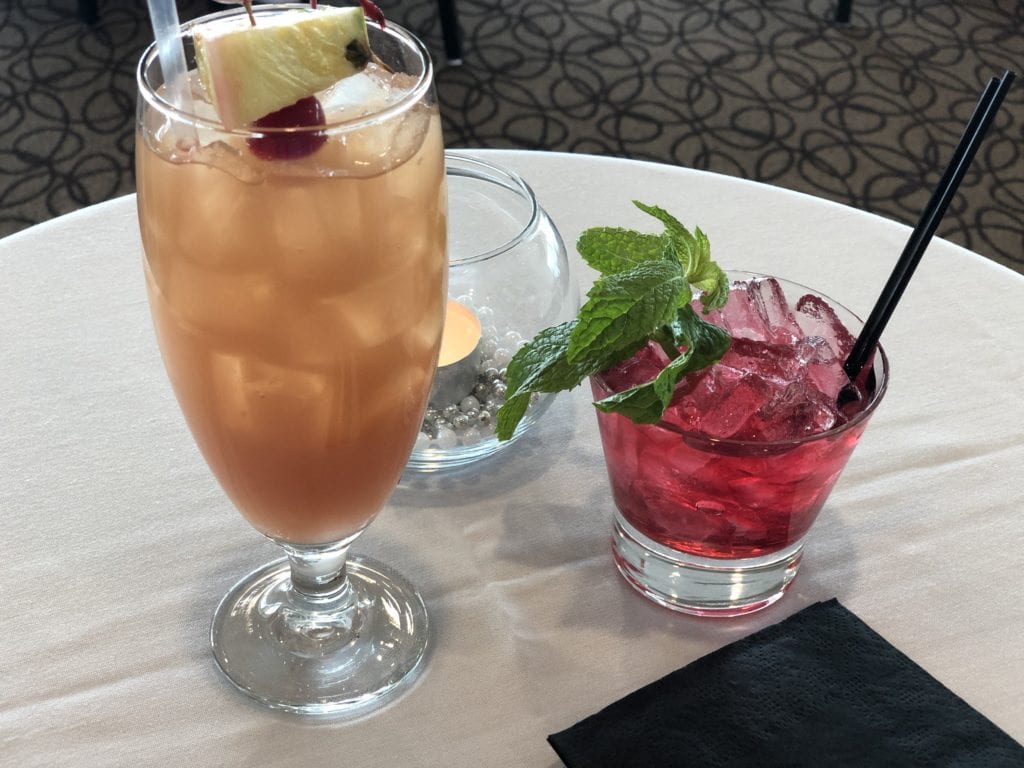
298, 304
716, 526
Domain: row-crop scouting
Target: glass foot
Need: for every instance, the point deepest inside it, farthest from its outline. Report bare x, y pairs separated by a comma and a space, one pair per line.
701, 586
310, 656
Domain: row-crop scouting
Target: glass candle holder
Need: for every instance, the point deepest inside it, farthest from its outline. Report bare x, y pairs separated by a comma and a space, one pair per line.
508, 279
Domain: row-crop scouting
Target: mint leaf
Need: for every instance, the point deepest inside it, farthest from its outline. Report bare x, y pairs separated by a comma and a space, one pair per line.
646, 403
693, 252
625, 308
610, 249
672, 224
640, 404
540, 366
707, 276
510, 414
685, 244
691, 331
644, 294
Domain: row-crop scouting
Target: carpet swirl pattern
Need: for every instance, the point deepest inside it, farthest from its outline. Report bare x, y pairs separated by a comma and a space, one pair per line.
865, 114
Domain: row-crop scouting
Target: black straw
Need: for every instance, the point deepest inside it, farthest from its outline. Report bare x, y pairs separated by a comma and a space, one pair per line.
974, 133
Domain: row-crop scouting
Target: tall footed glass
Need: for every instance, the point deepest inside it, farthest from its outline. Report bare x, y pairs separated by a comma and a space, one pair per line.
298, 297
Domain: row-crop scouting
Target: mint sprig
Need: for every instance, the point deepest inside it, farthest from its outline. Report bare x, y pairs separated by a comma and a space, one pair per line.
644, 294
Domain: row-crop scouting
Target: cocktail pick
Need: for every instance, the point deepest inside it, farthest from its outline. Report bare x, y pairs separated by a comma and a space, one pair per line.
984, 113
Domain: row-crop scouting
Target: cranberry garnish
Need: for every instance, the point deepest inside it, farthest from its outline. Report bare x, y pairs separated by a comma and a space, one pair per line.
290, 146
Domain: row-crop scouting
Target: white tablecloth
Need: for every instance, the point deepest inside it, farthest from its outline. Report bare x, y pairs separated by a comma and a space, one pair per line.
117, 542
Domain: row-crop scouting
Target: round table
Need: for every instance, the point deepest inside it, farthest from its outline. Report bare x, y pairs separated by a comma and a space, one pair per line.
118, 543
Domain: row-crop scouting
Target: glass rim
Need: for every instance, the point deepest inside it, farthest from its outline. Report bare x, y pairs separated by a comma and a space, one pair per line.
778, 446
411, 98
473, 168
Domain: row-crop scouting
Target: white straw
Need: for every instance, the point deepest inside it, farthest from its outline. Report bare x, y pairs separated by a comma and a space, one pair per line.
164, 16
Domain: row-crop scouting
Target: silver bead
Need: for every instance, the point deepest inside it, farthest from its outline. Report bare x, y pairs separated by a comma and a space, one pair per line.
491, 375
483, 418
460, 421
498, 390
468, 404
501, 357
451, 411
487, 347
447, 439
480, 392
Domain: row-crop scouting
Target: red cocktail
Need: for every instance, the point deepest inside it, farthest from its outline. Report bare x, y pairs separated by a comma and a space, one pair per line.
713, 503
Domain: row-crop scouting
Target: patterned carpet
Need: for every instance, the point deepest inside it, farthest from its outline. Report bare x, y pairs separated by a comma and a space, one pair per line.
865, 114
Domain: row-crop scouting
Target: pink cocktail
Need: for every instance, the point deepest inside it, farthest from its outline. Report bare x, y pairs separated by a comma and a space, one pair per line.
714, 502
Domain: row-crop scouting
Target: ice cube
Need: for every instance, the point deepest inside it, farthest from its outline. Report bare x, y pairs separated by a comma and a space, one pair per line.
226, 305
796, 411
230, 157
820, 365
227, 376
817, 318
420, 177
717, 401
771, 304
771, 362
815, 350
381, 145
393, 394
758, 310
642, 367
364, 93
205, 231
306, 223
371, 313
727, 407
263, 401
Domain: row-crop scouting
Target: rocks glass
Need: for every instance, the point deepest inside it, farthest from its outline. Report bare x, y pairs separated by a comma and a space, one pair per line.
298, 303
716, 526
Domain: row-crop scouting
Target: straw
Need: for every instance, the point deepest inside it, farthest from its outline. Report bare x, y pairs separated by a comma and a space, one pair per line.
164, 16
974, 133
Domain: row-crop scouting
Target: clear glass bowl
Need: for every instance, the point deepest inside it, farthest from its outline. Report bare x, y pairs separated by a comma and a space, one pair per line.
508, 266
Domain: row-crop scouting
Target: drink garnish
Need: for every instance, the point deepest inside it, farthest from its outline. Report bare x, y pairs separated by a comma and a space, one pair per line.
249, 71
645, 293
303, 113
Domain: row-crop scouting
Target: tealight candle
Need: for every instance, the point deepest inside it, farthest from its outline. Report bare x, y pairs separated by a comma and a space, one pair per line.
459, 360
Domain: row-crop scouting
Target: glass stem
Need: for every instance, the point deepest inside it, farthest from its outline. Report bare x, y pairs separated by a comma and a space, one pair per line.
318, 574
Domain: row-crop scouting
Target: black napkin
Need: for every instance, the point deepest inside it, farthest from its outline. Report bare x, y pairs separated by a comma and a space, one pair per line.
820, 688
